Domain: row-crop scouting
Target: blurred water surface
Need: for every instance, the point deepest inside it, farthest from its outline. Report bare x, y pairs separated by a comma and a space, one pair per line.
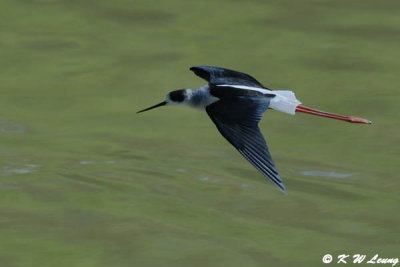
84, 181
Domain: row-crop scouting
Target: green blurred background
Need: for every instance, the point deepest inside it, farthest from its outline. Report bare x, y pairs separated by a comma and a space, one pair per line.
84, 181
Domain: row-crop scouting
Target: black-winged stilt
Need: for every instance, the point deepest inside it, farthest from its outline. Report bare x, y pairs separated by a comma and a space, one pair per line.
236, 102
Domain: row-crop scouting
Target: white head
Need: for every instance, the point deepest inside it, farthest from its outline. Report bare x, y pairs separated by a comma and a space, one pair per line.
176, 97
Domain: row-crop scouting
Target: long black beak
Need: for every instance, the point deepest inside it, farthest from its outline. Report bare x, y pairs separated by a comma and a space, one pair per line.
155, 106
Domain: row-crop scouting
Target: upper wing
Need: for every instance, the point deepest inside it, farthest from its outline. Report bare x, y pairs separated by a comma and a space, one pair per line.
237, 120
215, 75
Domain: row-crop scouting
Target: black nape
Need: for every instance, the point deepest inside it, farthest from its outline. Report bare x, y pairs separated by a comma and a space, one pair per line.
177, 95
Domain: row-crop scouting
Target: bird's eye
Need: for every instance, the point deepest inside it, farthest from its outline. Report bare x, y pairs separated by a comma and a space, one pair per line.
177, 95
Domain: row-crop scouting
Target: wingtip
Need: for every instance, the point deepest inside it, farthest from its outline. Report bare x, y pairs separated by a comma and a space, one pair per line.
283, 189
196, 68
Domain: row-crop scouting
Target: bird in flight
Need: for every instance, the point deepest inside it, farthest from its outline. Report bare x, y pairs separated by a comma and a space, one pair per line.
236, 102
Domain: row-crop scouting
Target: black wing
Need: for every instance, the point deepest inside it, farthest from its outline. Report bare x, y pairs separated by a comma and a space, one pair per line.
237, 120
215, 75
